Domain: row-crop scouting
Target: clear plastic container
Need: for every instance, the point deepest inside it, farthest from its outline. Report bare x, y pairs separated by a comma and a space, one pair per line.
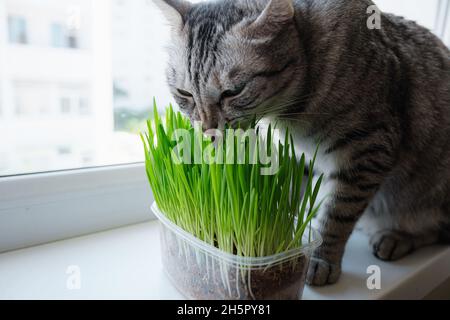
201, 271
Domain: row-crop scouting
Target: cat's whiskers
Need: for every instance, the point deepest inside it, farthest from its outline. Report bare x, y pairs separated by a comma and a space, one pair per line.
275, 109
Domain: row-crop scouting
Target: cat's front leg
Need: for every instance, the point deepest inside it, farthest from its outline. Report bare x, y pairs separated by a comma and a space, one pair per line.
335, 226
355, 187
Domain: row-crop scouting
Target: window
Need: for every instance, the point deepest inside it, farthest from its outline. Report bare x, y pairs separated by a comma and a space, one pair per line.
65, 105
17, 30
74, 100
96, 100
58, 35
72, 40
62, 37
72, 97
83, 106
32, 99
69, 109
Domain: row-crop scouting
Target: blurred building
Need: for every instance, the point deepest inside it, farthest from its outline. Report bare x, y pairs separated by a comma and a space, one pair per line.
67, 68
139, 36
55, 83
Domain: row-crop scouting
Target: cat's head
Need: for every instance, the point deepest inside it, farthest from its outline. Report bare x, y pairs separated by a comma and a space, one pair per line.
230, 60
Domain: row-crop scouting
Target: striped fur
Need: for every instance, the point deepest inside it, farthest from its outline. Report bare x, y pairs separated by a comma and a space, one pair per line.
378, 100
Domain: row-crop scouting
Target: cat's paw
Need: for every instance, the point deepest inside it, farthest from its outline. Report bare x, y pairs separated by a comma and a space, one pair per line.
389, 245
322, 273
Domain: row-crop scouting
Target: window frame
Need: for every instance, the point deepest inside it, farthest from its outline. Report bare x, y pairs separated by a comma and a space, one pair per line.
72, 203
82, 201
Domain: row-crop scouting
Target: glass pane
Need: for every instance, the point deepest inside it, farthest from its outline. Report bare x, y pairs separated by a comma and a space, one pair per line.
57, 32
77, 89
17, 29
83, 107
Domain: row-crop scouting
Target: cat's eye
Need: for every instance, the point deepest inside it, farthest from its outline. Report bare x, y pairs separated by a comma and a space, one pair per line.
184, 93
232, 93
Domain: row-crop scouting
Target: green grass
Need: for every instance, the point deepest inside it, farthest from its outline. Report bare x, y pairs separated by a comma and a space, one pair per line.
231, 206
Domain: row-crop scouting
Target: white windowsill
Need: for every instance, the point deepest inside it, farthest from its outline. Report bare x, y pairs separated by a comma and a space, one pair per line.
125, 264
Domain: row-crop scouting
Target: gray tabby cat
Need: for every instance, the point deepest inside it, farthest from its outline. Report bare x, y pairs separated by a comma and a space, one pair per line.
378, 100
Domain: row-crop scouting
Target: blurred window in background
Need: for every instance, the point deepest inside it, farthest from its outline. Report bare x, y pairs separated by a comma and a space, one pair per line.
17, 27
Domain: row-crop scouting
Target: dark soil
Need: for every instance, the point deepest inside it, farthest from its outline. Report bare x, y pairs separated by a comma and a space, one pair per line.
201, 276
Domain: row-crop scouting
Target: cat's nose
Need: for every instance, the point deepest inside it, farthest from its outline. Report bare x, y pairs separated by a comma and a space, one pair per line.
208, 124
210, 120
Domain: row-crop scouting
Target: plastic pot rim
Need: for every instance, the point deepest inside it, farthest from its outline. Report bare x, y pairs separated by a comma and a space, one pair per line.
251, 262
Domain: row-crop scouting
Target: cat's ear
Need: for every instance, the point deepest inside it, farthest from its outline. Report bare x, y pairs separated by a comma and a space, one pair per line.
273, 18
174, 10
